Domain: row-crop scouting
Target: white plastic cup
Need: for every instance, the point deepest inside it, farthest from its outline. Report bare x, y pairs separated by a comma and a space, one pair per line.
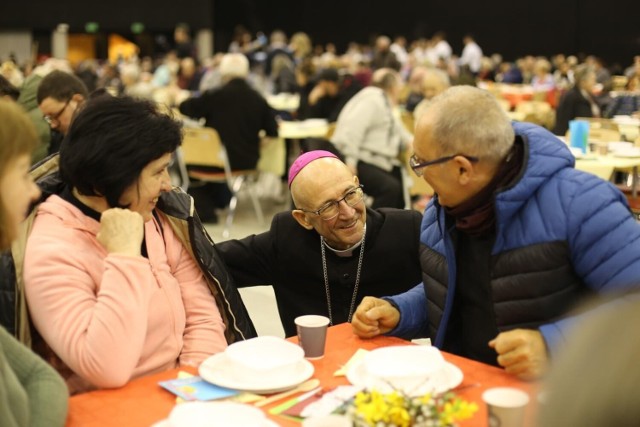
505, 406
312, 334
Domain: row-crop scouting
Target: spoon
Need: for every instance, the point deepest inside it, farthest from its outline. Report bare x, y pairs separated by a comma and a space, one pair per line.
305, 386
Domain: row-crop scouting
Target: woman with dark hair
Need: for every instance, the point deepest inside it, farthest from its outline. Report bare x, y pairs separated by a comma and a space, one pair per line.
31, 392
110, 276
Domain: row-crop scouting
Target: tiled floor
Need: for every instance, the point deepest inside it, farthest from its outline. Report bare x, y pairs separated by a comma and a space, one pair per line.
260, 300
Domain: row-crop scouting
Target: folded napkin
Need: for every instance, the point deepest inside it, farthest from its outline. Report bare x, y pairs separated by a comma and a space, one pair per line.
357, 357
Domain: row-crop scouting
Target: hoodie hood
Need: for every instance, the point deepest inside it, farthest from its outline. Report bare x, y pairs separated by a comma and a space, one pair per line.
68, 214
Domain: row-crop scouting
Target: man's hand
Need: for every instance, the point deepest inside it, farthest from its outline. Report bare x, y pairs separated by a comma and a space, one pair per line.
121, 231
521, 352
316, 93
374, 316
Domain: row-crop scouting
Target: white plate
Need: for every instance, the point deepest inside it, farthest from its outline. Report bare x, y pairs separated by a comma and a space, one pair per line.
165, 423
445, 379
216, 370
627, 154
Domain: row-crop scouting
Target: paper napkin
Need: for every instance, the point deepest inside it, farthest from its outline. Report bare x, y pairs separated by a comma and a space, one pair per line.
355, 359
195, 388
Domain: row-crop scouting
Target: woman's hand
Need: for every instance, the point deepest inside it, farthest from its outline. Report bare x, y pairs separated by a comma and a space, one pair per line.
121, 231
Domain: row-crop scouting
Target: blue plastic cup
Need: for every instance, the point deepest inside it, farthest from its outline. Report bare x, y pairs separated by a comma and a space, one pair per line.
579, 134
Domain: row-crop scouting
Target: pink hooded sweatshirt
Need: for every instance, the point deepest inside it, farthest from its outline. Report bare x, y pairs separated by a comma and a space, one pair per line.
109, 317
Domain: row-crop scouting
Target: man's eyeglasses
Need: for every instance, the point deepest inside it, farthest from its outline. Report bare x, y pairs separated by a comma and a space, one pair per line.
418, 166
332, 209
51, 119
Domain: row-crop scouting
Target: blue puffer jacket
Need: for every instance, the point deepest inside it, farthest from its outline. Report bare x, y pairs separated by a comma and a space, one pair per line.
561, 234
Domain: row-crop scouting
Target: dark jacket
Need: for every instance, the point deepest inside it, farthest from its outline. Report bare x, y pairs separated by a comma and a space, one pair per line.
560, 234
573, 104
288, 257
238, 113
177, 206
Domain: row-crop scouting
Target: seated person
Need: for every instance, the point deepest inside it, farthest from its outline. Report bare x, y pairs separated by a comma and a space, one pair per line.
602, 340
328, 96
31, 392
434, 82
112, 286
628, 102
239, 114
512, 240
414, 84
578, 101
371, 138
328, 253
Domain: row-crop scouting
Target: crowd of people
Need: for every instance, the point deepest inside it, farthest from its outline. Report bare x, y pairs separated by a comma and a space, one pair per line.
108, 273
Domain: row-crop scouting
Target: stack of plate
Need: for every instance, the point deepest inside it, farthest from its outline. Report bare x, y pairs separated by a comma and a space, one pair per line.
413, 370
259, 365
205, 414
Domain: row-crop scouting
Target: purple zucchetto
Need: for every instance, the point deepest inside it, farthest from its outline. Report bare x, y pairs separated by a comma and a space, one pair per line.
304, 159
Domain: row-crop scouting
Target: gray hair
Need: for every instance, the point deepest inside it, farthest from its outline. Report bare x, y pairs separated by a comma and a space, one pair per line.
234, 65
439, 74
581, 73
470, 121
385, 78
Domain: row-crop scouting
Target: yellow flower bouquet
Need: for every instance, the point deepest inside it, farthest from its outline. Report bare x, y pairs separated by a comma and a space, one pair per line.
376, 409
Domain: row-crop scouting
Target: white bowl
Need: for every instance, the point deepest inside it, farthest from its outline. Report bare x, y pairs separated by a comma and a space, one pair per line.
403, 367
206, 414
266, 357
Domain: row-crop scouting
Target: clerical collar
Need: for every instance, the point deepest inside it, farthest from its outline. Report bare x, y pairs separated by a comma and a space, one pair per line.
349, 251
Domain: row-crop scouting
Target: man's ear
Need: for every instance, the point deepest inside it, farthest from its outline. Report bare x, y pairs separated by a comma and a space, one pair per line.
465, 169
78, 98
301, 217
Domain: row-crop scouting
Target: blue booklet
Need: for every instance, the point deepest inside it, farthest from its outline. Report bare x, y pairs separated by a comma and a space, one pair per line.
195, 388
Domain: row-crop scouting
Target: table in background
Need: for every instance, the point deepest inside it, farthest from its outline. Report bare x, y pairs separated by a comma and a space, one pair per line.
284, 101
143, 402
310, 128
604, 166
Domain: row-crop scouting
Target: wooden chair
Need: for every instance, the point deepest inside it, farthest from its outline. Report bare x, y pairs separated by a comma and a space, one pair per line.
538, 112
330, 130
202, 147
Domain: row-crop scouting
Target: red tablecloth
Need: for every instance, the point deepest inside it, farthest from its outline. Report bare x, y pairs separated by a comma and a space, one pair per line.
143, 402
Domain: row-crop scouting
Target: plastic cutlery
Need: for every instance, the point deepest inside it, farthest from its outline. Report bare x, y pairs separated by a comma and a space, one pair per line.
305, 386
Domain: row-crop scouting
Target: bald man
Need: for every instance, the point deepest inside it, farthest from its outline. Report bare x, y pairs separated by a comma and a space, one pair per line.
330, 251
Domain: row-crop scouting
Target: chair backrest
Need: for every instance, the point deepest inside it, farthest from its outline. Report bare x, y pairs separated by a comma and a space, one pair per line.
330, 130
202, 147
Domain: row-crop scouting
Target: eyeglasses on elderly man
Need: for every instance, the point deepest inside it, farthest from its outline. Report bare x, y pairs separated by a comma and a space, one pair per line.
331, 210
418, 165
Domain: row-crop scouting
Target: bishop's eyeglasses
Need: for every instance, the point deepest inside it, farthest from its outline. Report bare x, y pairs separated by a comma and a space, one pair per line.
331, 210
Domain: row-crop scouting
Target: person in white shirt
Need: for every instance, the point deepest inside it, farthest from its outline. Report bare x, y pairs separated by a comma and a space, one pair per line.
441, 48
471, 54
370, 137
